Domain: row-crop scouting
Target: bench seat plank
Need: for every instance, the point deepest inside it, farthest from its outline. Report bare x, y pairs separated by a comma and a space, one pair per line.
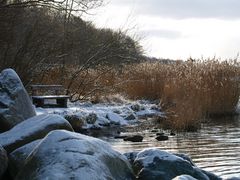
51, 97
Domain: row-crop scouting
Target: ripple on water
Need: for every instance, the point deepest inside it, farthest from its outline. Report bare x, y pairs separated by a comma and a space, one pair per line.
215, 148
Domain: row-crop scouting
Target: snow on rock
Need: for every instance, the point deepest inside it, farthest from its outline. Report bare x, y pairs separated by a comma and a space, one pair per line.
31, 129
15, 104
17, 157
156, 164
3, 161
77, 122
102, 121
104, 114
184, 177
116, 119
68, 155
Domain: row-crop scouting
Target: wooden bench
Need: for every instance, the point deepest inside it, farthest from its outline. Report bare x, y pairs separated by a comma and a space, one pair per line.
41, 94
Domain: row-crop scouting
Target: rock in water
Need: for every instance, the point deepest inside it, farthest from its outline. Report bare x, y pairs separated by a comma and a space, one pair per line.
134, 138
3, 161
153, 164
15, 104
162, 137
67, 155
184, 177
32, 129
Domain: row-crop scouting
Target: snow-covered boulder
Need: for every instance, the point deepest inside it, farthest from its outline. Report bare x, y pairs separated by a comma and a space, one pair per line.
116, 119
15, 104
156, 164
3, 161
67, 155
31, 129
17, 157
77, 122
102, 121
91, 118
184, 177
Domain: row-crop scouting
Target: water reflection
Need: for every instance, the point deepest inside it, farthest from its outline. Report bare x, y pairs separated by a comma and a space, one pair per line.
215, 148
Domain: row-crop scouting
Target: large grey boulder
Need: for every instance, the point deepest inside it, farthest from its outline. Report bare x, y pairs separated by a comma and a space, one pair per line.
15, 104
3, 161
184, 177
32, 129
154, 164
67, 155
17, 157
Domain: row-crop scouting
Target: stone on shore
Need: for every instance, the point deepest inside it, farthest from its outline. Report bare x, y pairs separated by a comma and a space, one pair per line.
32, 129
67, 155
15, 104
153, 164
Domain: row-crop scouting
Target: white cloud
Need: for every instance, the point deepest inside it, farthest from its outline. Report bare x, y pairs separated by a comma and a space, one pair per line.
178, 29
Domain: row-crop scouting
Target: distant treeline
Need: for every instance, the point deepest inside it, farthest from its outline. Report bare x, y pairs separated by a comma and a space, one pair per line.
34, 38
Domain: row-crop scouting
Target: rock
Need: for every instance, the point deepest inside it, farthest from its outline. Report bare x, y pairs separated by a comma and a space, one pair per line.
209, 174
115, 119
120, 137
153, 164
75, 121
135, 138
17, 157
131, 117
131, 156
102, 121
136, 107
15, 104
67, 155
3, 161
185, 157
172, 134
184, 177
155, 130
117, 111
32, 129
160, 134
91, 118
161, 138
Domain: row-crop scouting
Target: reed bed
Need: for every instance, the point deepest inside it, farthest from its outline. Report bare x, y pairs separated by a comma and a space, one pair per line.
189, 91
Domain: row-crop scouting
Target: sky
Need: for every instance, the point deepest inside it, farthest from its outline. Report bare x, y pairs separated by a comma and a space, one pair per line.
177, 29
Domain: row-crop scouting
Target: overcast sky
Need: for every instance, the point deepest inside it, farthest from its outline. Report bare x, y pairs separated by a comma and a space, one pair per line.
177, 29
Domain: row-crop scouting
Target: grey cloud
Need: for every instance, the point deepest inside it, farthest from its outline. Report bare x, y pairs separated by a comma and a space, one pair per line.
181, 9
162, 33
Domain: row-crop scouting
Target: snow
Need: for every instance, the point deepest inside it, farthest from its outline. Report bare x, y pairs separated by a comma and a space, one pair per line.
68, 155
31, 129
107, 113
116, 119
147, 156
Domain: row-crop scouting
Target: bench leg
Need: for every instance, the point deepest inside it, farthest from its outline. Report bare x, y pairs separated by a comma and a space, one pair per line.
38, 102
62, 102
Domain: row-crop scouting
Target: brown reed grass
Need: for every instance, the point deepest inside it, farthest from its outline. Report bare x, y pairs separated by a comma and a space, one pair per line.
189, 91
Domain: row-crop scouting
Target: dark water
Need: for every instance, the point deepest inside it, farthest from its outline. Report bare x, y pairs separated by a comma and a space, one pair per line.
215, 148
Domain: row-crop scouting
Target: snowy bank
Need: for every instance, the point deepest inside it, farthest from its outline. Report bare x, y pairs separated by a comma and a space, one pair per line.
91, 115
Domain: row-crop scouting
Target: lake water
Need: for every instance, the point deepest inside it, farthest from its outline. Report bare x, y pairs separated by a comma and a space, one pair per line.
215, 148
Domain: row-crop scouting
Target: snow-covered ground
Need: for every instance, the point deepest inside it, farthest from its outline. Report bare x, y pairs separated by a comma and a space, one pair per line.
103, 114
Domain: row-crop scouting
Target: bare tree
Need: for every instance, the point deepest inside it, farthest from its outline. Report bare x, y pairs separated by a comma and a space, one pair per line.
82, 6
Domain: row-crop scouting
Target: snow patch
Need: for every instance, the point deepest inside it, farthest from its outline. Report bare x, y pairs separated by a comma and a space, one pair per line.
107, 113
147, 156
